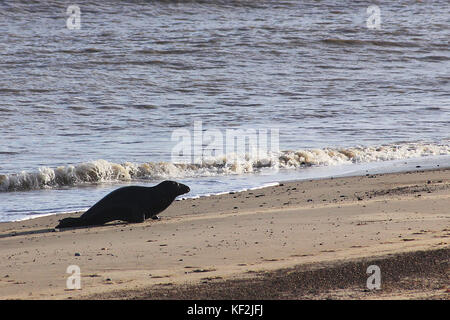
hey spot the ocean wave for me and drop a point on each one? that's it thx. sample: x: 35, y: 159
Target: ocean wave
x: 360, y: 42
x: 101, y: 171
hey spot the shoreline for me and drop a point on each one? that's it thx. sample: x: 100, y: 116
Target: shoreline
x: 269, y: 184
x: 233, y: 236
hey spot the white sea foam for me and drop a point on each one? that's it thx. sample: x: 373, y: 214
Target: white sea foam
x: 103, y: 171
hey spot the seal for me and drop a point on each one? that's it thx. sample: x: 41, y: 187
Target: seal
x: 131, y: 204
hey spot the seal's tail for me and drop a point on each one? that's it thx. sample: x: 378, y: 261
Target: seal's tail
x: 70, y: 222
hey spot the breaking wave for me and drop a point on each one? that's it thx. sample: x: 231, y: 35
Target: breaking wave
x: 103, y: 171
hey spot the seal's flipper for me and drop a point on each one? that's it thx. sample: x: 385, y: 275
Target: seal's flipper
x: 70, y: 222
x: 135, y: 216
x: 156, y: 218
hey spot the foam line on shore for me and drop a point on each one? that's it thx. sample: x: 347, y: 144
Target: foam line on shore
x: 101, y: 171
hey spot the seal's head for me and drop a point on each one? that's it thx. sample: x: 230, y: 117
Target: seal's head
x: 174, y: 187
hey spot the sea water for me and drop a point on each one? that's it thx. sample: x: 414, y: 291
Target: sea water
x: 91, y: 94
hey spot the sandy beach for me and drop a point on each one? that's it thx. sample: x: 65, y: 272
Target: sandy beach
x: 309, y: 239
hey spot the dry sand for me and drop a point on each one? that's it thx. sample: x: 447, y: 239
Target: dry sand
x: 304, y: 239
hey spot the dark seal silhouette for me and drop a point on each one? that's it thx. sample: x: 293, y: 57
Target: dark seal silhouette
x: 131, y: 204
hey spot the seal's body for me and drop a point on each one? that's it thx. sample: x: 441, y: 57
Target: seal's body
x: 131, y: 204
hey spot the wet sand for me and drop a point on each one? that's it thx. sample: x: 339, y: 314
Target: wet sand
x: 299, y: 240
